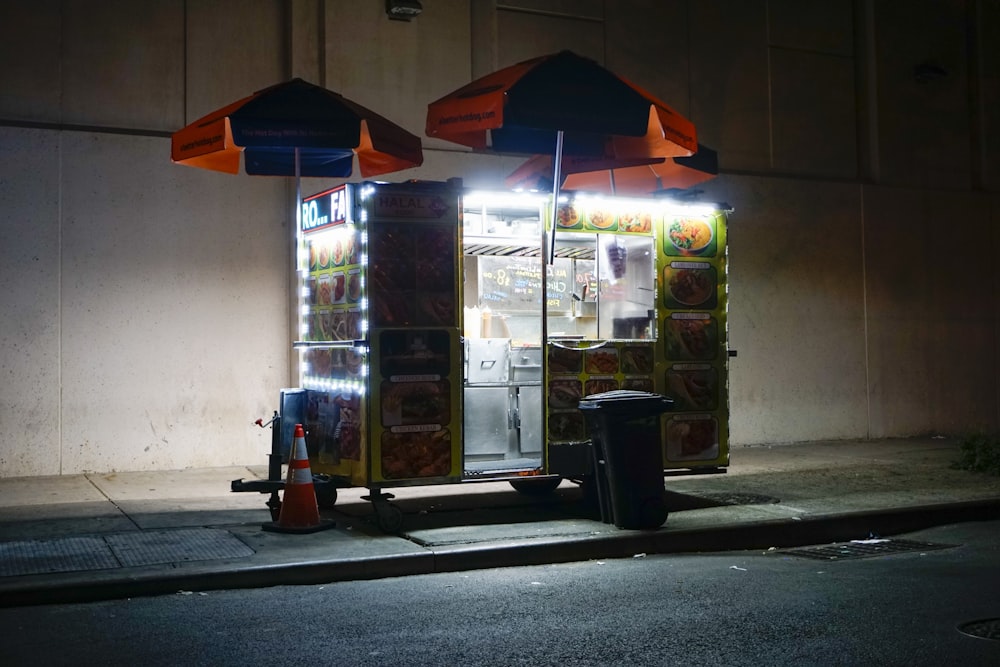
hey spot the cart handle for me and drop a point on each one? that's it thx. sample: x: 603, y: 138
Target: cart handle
x: 260, y: 422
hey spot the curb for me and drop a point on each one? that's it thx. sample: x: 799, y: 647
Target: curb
x: 780, y: 533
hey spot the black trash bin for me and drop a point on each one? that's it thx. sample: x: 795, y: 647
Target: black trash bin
x: 624, y: 430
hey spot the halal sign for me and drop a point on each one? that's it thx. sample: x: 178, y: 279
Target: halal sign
x: 326, y: 209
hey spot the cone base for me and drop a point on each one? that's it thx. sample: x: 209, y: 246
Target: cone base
x: 275, y: 527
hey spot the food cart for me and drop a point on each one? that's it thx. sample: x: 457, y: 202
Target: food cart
x: 437, y: 344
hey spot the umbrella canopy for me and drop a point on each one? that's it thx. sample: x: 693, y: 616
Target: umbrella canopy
x: 296, y: 128
x: 622, y: 176
x: 522, y: 108
x: 561, y: 104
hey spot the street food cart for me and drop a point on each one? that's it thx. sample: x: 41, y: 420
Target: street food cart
x: 438, y: 344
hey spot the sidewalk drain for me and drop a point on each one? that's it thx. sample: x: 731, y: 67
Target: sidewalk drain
x: 68, y: 554
x: 863, y: 549
x: 104, y: 552
x: 987, y: 628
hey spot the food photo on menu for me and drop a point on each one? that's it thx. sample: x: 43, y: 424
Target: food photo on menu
x: 693, y: 388
x: 354, y: 363
x: 319, y: 362
x: 411, y: 403
x: 338, y: 287
x: 635, y: 223
x: 391, y: 309
x: 691, y: 336
x: 349, y: 426
x: 565, y: 360
x: 436, y: 308
x: 637, y: 359
x: 325, y: 290
x: 567, y: 426
x: 354, y: 285
x: 416, y: 454
x: 567, y: 217
x: 601, y: 220
x: 689, y: 237
x: 600, y: 386
x: 392, y: 259
x: 353, y: 319
x: 564, y: 394
x: 340, y: 326
x: 690, y: 284
x: 351, y: 248
x: 603, y: 361
x: 338, y: 251
x: 694, y: 437
x: 435, y: 266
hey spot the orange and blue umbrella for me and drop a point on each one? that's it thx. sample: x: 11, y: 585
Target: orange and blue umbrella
x: 523, y: 108
x: 296, y: 128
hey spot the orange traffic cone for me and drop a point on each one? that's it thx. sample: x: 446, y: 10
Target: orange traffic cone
x: 299, y: 509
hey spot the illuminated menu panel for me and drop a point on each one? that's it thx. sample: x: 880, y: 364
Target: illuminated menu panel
x: 332, y: 295
x: 416, y: 368
x: 692, y: 319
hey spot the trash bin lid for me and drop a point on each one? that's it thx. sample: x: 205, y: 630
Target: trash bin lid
x: 627, y: 399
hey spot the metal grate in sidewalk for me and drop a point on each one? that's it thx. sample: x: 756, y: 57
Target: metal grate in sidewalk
x: 863, y: 549
x: 68, y: 554
x: 154, y: 547
x: 132, y: 549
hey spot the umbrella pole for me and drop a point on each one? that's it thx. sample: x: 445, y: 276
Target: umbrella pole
x: 556, y: 179
x: 548, y: 257
x: 298, y: 192
x: 295, y: 262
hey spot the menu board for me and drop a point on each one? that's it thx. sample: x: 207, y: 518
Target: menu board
x: 333, y: 284
x: 692, y: 321
x: 415, y: 407
x: 582, y: 368
x: 515, y: 283
x: 594, y: 218
x: 331, y: 307
x: 415, y: 381
x: 415, y: 344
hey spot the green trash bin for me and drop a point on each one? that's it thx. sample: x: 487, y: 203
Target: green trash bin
x: 624, y: 428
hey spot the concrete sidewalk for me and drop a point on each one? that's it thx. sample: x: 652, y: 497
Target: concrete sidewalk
x: 101, y: 536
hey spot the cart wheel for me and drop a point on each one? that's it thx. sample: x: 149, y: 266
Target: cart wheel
x: 541, y: 486
x: 389, y: 517
x: 326, y: 496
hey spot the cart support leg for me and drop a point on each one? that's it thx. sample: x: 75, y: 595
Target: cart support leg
x: 274, y: 458
x: 274, y: 505
x: 388, y: 516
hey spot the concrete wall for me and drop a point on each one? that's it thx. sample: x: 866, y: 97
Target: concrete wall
x: 146, y: 306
